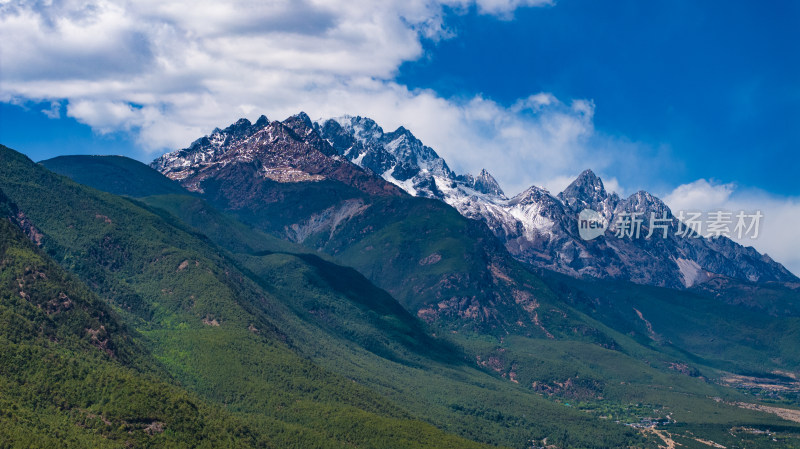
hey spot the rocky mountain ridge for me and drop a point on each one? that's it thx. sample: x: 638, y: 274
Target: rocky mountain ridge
x: 542, y: 229
x: 534, y: 225
x: 285, y: 152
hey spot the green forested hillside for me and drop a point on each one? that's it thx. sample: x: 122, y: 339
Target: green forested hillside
x: 209, y: 328
x: 738, y: 327
x: 224, y: 306
x: 336, y: 317
x: 71, y: 375
x: 117, y: 174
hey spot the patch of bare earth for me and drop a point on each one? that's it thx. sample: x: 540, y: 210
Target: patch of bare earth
x: 749, y: 382
x: 154, y: 428
x: 208, y: 321
x: 669, y: 443
x: 785, y: 413
x: 650, y: 331
x: 710, y: 443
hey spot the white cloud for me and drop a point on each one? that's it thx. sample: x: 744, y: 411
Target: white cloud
x: 54, y: 111
x: 520, y: 145
x: 557, y: 184
x: 505, y: 7
x: 778, y: 230
x: 169, y: 72
x: 612, y: 185
x: 700, y: 195
x: 104, y: 116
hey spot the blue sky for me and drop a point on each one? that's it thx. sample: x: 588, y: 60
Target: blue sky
x: 717, y: 82
x: 25, y: 128
x: 698, y: 102
x: 712, y: 84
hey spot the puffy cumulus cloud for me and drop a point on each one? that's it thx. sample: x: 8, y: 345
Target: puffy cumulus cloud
x: 700, y: 195
x: 105, y: 116
x: 169, y: 72
x: 778, y: 230
x: 612, y: 185
x: 64, y: 40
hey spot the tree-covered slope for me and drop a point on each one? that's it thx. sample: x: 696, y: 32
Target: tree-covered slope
x: 71, y: 375
x: 736, y: 326
x: 212, y: 330
x: 246, y: 339
x: 117, y: 174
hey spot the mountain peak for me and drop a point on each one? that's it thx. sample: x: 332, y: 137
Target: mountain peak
x: 533, y: 194
x: 304, y: 128
x: 535, y: 226
x: 586, y: 190
x: 485, y: 183
x: 242, y: 122
x: 362, y: 128
x: 301, y: 120
x: 588, y: 178
x: 304, y: 117
x: 401, y: 130
x: 643, y: 201
x: 262, y: 121
x: 238, y: 129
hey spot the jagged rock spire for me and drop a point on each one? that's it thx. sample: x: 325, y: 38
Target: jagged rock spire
x: 485, y: 183
x: 586, y: 190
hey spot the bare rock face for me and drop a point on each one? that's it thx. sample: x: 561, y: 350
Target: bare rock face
x: 10, y: 211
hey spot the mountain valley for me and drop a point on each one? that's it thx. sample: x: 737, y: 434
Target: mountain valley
x: 327, y: 284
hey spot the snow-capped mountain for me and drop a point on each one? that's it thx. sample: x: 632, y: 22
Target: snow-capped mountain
x: 398, y: 156
x: 535, y: 226
x: 286, y: 152
x: 541, y: 228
